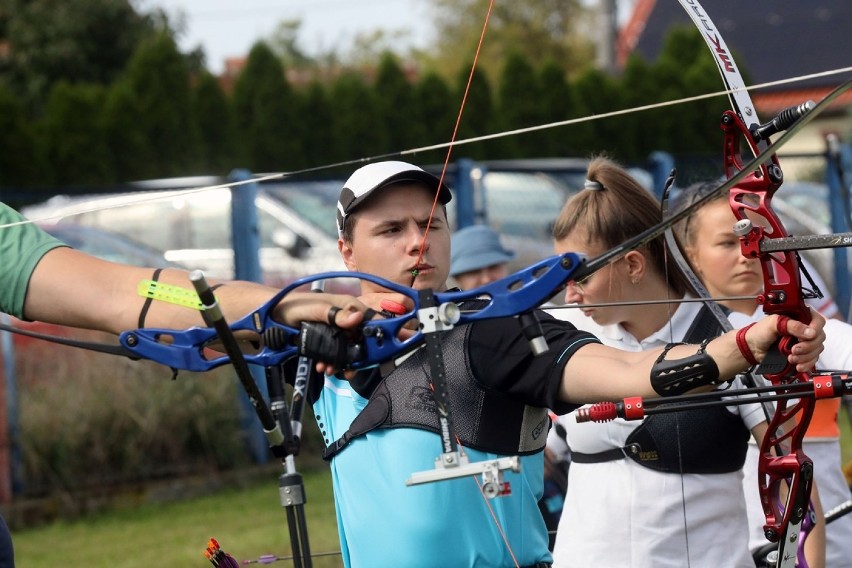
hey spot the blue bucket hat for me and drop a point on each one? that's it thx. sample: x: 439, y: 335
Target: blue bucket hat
x: 476, y: 247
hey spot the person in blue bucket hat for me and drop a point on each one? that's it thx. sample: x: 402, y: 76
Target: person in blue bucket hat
x: 477, y: 257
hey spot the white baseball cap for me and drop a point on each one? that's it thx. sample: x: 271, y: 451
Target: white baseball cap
x: 367, y: 179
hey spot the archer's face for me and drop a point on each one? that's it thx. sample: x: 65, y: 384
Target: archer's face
x: 481, y: 277
x: 388, y: 234
x: 715, y: 254
x: 609, y: 284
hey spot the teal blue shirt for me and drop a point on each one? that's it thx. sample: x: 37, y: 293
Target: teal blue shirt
x: 383, y: 522
x: 21, y: 249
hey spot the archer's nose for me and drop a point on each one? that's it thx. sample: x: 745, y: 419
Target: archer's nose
x: 416, y: 238
x: 573, y: 295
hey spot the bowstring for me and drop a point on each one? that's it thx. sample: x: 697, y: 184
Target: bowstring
x: 451, y: 144
x: 663, y: 209
x: 414, y: 271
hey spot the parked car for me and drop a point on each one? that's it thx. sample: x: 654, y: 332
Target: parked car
x: 519, y: 198
x: 194, y: 229
x: 108, y: 245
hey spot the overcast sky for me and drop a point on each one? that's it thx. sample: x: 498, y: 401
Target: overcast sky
x: 228, y: 28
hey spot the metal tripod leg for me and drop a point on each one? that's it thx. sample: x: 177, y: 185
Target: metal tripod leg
x: 291, y: 489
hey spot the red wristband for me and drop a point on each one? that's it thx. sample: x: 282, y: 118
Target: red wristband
x: 781, y: 325
x: 743, y: 345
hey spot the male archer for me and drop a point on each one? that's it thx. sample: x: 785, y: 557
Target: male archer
x: 382, y: 425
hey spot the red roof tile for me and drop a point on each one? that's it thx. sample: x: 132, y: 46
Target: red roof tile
x: 771, y: 103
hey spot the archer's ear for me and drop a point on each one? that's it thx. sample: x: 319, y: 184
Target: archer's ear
x: 689, y: 252
x: 637, y: 264
x: 347, y: 254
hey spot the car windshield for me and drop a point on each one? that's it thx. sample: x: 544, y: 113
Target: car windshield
x: 107, y: 245
x: 314, y: 201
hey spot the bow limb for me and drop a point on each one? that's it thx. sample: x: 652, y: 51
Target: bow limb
x: 732, y: 78
x: 781, y: 278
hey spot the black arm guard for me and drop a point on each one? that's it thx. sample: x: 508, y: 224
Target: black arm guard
x: 670, y: 378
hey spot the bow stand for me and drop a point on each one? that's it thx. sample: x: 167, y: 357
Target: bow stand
x: 282, y: 430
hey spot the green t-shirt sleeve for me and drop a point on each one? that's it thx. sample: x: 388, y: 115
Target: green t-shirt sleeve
x: 21, y: 249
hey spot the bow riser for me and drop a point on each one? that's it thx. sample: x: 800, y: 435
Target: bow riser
x: 784, y: 482
x: 516, y: 294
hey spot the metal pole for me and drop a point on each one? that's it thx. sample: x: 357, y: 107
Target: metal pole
x: 10, y: 448
x: 245, y: 238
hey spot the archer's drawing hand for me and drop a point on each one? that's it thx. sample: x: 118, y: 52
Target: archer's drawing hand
x: 805, y: 352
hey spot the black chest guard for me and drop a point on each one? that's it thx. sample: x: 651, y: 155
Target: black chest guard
x: 485, y: 419
x: 709, y: 440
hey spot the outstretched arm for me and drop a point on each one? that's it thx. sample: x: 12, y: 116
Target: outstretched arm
x: 69, y: 287
x: 596, y: 372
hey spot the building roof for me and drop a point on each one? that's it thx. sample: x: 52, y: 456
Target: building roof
x: 773, y: 102
x: 770, y: 39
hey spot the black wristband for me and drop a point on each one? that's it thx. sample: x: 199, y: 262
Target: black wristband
x: 144, y: 311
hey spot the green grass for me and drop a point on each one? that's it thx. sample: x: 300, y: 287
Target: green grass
x: 247, y: 522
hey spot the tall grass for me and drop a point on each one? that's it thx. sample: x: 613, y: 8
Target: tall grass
x: 89, y: 420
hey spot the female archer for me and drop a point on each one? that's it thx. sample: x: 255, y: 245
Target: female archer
x: 665, y: 491
x: 714, y: 251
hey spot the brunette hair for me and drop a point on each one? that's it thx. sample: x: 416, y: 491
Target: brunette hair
x: 611, y: 209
